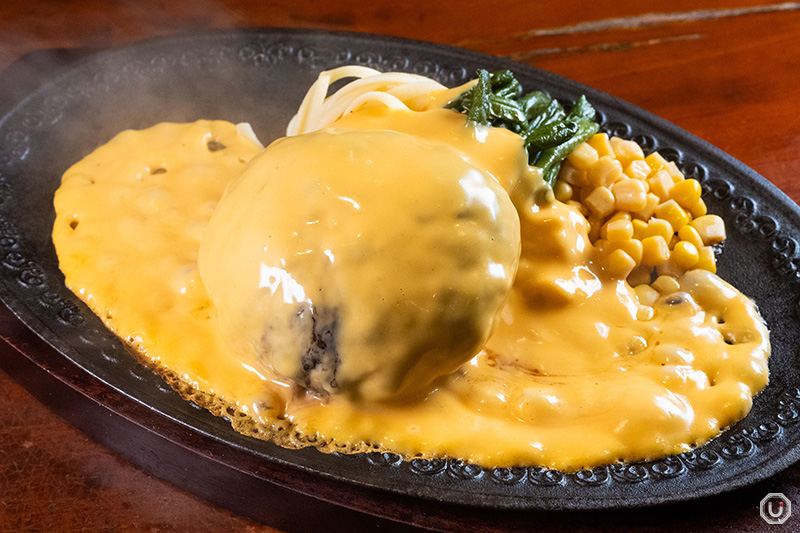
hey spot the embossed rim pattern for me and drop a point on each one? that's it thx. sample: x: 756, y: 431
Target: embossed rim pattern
x: 259, y: 76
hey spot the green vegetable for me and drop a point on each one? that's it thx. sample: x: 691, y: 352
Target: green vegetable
x: 549, y: 160
x: 550, y: 132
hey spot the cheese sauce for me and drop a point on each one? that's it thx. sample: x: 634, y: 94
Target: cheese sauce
x: 373, y: 275
x: 574, y: 374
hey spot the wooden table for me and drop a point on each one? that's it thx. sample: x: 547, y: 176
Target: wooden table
x: 726, y: 70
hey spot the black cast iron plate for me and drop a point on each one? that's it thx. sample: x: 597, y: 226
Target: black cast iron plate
x: 259, y: 76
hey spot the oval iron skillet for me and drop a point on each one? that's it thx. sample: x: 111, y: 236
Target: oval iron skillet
x: 260, y: 76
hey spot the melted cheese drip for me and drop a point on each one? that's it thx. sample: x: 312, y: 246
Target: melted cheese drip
x: 569, y: 379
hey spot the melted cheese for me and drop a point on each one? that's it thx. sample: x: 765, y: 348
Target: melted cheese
x: 129, y: 221
x: 570, y: 378
x: 373, y: 275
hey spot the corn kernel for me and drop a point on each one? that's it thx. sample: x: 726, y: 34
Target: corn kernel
x: 601, y: 244
x: 647, y: 295
x: 666, y: 284
x: 620, y: 264
x: 583, y: 156
x: 647, y: 211
x: 675, y: 172
x: 562, y: 191
x: 707, y: 260
x: 638, y: 228
x: 672, y: 212
x: 599, y: 141
x: 698, y: 209
x: 689, y: 234
x: 661, y: 184
x: 638, y: 169
x: 626, y: 151
x: 686, y: 193
x: 670, y: 268
x: 614, y: 141
x: 600, y: 201
x: 656, y: 161
x: 584, y: 192
x: 604, y: 172
x: 572, y: 175
x: 711, y: 229
x: 629, y: 194
x: 685, y: 254
x: 658, y: 226
x: 644, y: 312
x: 632, y: 247
x: 641, y: 275
x: 654, y: 250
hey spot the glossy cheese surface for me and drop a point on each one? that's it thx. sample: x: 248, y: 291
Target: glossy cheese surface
x: 573, y: 375
x: 381, y: 267
x: 130, y: 218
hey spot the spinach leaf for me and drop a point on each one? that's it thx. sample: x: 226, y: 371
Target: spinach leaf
x: 550, y: 132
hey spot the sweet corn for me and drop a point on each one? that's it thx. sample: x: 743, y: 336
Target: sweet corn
x: 711, y: 229
x: 647, y: 295
x: 666, y: 284
x: 646, y: 220
x: 656, y: 161
x: 572, y: 175
x: 661, y: 184
x: 654, y: 250
x: 672, y: 213
x: 638, y: 169
x: 584, y: 192
x: 629, y: 194
x: 620, y: 264
x: 639, y: 227
x: 689, y: 234
x: 600, y: 142
x: 670, y: 268
x: 583, y: 156
x: 600, y: 201
x: 641, y: 275
x: 647, y: 211
x: 698, y: 209
x: 675, y: 172
x: 686, y: 193
x: 626, y: 151
x: 707, y: 260
x: 632, y: 247
x: 658, y: 226
x: 617, y: 231
x: 595, y: 226
x: 620, y: 215
x: 685, y: 254
x: 615, y: 141
x: 604, y: 172
x: 644, y: 312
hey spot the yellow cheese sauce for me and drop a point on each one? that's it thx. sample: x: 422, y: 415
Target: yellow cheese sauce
x: 576, y: 372
x: 373, y: 275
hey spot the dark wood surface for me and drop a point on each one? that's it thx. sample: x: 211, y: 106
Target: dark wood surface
x: 727, y: 71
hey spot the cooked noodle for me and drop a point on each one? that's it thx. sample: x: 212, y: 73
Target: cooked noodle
x: 395, y: 90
